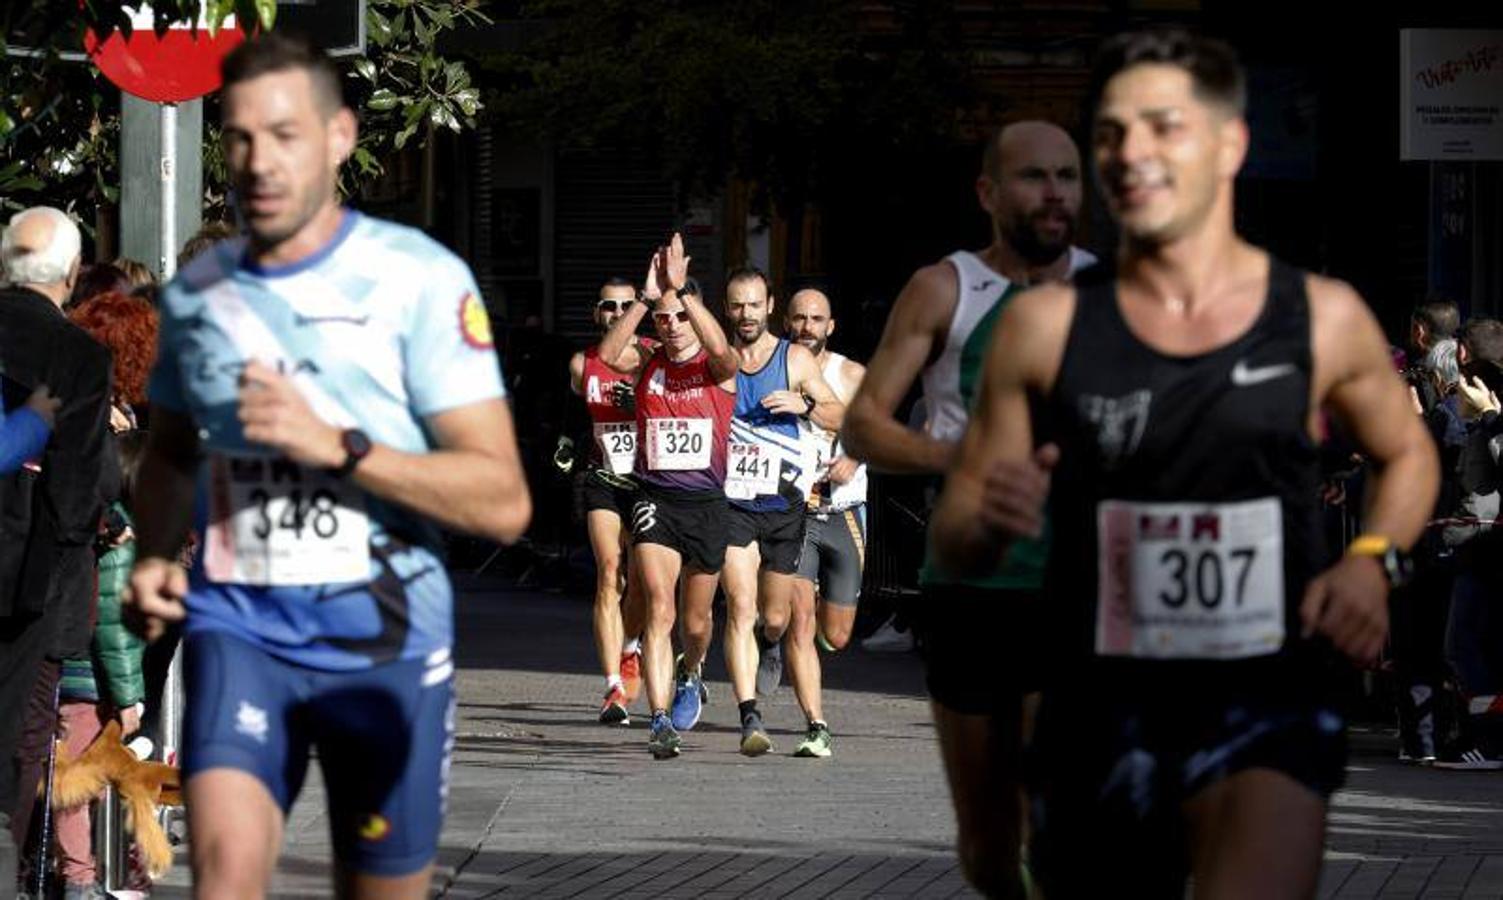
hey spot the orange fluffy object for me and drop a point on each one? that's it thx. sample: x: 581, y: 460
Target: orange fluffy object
x: 141, y: 786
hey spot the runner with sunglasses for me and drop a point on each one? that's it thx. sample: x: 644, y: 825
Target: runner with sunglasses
x: 685, y: 394
x: 608, y: 491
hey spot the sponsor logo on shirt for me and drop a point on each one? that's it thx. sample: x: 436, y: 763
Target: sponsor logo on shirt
x: 474, y: 324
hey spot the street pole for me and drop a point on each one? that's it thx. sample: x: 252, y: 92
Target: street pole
x: 161, y: 170
x: 167, y: 140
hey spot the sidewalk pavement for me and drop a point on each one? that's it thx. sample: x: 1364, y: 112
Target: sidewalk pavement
x: 545, y: 802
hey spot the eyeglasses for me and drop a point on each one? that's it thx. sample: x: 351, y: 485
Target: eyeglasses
x: 614, y: 305
x: 663, y: 318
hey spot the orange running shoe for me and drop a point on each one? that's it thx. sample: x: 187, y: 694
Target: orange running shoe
x: 613, y: 708
x: 631, y: 675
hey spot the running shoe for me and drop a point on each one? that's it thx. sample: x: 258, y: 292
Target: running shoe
x: 688, y: 698
x: 1468, y: 756
x: 769, y: 668
x: 663, y: 741
x: 754, y: 739
x: 817, y: 742
x: 888, y: 639
x: 613, y: 708
x: 1416, y: 750
x: 631, y: 675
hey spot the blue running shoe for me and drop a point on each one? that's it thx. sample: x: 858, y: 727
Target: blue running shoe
x: 663, y: 742
x: 688, y: 701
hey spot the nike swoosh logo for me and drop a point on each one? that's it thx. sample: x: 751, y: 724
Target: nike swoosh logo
x: 1245, y: 376
x: 321, y: 320
x: 983, y: 285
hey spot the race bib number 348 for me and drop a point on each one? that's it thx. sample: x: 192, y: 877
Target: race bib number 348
x: 275, y: 523
x: 1190, y: 580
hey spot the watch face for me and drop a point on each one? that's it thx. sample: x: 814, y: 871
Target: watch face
x: 356, y: 443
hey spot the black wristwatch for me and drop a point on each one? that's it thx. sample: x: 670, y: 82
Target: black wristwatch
x: 357, y: 446
x: 1397, y: 565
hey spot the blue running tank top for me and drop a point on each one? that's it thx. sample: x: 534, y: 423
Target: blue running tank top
x: 766, y: 466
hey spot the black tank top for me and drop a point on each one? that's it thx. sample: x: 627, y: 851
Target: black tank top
x: 1209, y: 433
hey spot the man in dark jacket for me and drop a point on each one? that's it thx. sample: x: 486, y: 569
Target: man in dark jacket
x: 49, y: 511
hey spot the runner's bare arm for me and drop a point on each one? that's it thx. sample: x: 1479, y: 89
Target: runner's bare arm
x: 1366, y: 394
x: 724, y: 360
x: 1355, y: 380
x: 843, y: 467
x: 997, y: 488
x: 473, y: 482
x: 576, y: 373
x: 805, y: 380
x: 853, y: 373
x: 871, y: 432
x: 620, y: 349
x: 164, y: 514
x: 163, y: 507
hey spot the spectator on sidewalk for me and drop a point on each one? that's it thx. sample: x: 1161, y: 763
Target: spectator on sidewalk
x: 1419, y: 609
x: 49, y: 516
x: 1474, y: 629
x: 108, y: 682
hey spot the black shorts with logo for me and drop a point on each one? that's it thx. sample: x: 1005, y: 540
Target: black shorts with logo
x: 834, y: 554
x: 1114, y: 773
x: 779, y: 535
x: 612, y: 493
x: 693, y: 523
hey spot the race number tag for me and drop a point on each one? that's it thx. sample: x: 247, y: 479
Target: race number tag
x: 275, y: 523
x: 618, y: 445
x: 679, y: 445
x: 752, y: 471
x: 1190, y: 580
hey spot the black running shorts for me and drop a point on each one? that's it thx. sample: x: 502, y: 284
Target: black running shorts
x: 1114, y: 775
x: 779, y: 536
x: 691, y: 523
x: 600, y: 491
x: 982, y: 647
x: 834, y: 554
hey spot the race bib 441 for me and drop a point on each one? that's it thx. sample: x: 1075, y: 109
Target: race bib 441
x: 1190, y: 580
x: 275, y: 523
x: 752, y: 470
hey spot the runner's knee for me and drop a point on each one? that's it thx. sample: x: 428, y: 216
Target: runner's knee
x: 608, y: 580
x: 835, y: 636
x: 226, y: 865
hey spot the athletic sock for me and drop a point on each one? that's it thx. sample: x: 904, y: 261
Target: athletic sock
x: 632, y: 646
x: 613, y: 681
x: 747, y: 708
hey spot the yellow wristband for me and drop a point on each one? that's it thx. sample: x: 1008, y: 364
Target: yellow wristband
x: 1370, y: 545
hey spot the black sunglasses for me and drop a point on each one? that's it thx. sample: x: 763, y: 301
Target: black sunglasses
x: 614, y: 305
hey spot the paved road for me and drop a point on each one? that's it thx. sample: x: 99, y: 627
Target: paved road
x: 546, y: 803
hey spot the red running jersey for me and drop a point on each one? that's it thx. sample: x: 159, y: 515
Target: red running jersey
x: 614, y: 426
x: 683, y: 423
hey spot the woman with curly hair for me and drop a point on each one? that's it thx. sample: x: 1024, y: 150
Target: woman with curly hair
x: 127, y: 325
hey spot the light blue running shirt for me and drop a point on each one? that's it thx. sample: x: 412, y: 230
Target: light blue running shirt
x: 380, y: 329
